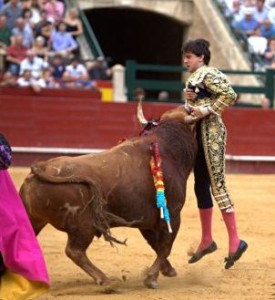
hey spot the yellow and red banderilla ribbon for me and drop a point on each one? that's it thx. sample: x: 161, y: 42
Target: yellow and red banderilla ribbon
x: 155, y: 164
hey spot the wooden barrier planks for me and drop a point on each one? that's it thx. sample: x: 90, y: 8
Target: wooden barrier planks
x: 76, y: 119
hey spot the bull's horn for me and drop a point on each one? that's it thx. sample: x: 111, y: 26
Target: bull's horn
x: 140, y: 114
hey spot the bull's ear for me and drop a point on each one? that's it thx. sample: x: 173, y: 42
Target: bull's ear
x: 140, y: 114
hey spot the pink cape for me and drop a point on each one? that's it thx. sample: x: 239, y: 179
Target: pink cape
x: 18, y: 244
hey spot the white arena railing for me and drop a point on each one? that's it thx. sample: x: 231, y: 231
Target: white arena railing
x: 57, y: 150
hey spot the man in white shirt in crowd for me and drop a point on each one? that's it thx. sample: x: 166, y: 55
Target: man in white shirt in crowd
x: 76, y: 75
x: 257, y: 43
x: 33, y: 63
x: 27, y: 80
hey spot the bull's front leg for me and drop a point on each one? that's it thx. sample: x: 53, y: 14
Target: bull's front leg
x: 151, y: 281
x: 163, y: 249
x: 151, y: 237
x: 167, y: 269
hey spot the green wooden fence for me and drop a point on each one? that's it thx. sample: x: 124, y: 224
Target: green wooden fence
x: 133, y: 82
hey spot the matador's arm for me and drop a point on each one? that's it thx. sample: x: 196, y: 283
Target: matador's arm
x: 224, y: 93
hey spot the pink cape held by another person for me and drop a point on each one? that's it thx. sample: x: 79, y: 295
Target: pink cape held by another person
x: 26, y: 275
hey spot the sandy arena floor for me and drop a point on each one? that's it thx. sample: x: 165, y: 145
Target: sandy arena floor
x: 253, y: 277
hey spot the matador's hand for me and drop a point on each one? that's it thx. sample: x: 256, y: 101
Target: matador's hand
x: 196, y: 113
x: 189, y: 94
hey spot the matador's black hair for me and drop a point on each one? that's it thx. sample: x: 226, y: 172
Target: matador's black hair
x: 198, y: 47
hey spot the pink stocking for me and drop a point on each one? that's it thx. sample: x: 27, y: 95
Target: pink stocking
x: 206, y: 228
x: 230, y: 222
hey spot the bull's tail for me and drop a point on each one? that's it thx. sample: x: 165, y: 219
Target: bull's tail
x: 52, y: 174
x: 101, y: 218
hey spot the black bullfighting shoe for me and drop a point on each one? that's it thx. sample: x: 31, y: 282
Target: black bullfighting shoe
x: 230, y: 260
x: 200, y: 254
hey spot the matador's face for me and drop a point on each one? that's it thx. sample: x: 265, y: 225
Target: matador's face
x: 192, y: 62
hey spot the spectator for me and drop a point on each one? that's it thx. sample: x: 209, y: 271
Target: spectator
x: 58, y: 67
x: 269, y: 54
x: 74, y: 24
x: 1, y: 4
x: 257, y: 43
x: 36, y: 8
x: 47, y: 80
x: 267, y: 29
x: 27, y: 15
x: 54, y: 9
x: 33, y: 63
x: 236, y: 15
x: 260, y: 12
x: 225, y: 5
x: 269, y: 4
x: 25, y: 4
x: 27, y: 80
x: 272, y: 65
x: 98, y: 69
x: 265, y: 103
x: 271, y: 15
x: 8, y: 80
x: 76, y: 75
x: 41, y: 23
x: 40, y: 49
x: 25, y: 30
x: 248, y: 2
x: 163, y: 96
x: 16, y: 52
x: 139, y: 93
x: 248, y: 23
x: 62, y: 42
x: 12, y: 10
x: 47, y: 31
x: 5, y: 34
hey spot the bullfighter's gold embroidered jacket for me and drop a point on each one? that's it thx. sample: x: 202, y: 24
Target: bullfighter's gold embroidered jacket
x: 213, y: 90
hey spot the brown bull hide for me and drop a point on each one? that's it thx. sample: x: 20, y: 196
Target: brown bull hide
x: 87, y: 195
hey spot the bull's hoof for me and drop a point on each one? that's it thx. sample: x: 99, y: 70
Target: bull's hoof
x: 169, y: 272
x: 151, y: 283
x: 111, y: 286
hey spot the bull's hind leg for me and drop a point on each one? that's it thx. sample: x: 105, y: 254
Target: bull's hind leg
x: 152, y: 239
x: 37, y: 224
x: 77, y: 244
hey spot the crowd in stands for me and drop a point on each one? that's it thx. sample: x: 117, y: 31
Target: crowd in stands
x: 39, y: 46
x: 253, y: 21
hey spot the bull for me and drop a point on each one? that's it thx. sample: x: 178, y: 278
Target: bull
x: 87, y: 195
